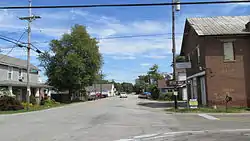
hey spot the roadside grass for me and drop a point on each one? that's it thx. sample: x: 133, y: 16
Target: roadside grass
x: 211, y: 110
x: 32, y: 108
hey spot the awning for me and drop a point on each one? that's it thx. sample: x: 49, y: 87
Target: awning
x: 197, y: 75
x: 23, y: 84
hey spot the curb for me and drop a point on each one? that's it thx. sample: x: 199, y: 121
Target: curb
x: 44, y: 110
x: 216, y: 114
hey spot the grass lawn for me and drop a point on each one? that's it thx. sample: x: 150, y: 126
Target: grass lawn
x: 211, y: 110
x: 32, y: 108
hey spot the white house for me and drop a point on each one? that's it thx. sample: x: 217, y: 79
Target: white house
x: 105, y: 89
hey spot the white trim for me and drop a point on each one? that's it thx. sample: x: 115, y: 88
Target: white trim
x: 197, y: 74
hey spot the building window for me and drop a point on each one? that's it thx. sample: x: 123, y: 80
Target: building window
x: 198, y: 53
x: 10, y: 71
x: 20, y: 73
x: 228, y: 51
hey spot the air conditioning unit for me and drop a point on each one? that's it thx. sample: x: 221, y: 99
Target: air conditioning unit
x: 20, y: 78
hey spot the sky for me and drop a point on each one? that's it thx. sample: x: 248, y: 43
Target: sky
x: 124, y: 58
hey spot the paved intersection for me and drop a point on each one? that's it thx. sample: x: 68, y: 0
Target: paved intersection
x: 114, y: 119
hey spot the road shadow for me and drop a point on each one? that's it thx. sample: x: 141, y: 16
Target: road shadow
x: 156, y: 104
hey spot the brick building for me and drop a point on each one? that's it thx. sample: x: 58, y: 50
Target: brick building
x: 219, y: 51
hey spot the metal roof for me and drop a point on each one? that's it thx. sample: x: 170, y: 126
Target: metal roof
x: 222, y: 25
x: 15, y: 62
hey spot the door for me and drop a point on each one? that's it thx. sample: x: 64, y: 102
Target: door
x: 203, y: 91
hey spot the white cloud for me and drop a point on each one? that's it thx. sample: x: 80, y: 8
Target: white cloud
x: 124, y: 57
x: 156, y: 56
x: 145, y: 64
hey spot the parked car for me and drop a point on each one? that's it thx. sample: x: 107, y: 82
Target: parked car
x: 123, y: 95
x: 91, y: 97
x: 98, y: 95
x: 145, y: 95
x: 142, y: 96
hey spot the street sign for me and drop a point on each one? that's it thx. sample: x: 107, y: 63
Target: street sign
x: 193, y: 103
x: 175, y: 93
x: 183, y: 65
x: 176, y: 83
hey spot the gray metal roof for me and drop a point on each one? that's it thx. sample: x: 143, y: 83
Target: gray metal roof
x: 15, y: 62
x: 222, y: 25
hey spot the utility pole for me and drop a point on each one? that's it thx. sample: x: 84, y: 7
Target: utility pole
x: 101, y: 83
x: 30, y: 18
x: 174, y: 47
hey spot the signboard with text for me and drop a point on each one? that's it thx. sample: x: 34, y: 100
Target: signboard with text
x: 193, y: 103
x: 183, y: 65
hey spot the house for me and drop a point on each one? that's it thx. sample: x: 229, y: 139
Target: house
x: 13, y: 76
x: 104, y: 89
x: 219, y: 51
x: 164, y: 87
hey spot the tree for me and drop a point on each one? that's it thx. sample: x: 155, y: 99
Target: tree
x: 179, y: 58
x: 72, y: 61
x: 118, y: 87
x: 154, y: 74
x: 127, y: 87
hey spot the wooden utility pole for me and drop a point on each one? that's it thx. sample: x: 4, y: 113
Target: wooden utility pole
x: 177, y: 8
x: 30, y: 18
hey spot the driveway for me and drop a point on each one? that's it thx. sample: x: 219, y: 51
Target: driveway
x: 113, y: 119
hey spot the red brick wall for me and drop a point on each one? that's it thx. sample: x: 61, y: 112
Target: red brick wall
x: 227, y: 78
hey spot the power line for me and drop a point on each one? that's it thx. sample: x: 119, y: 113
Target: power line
x: 8, y: 40
x: 122, y: 37
x: 8, y: 52
x: 126, y: 5
x: 16, y: 43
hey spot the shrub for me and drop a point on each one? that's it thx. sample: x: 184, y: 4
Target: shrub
x: 166, y: 96
x: 33, y: 99
x: 8, y: 103
x: 49, y: 102
x: 154, y: 92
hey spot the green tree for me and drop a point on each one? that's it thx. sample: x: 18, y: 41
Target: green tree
x: 127, y: 87
x: 72, y: 61
x: 118, y: 87
x: 154, y: 74
x: 179, y: 58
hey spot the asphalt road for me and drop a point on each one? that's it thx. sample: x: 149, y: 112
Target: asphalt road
x: 115, y: 119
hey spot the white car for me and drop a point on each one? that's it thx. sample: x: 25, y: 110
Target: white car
x: 123, y: 95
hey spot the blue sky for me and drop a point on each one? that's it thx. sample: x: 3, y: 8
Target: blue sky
x: 124, y: 59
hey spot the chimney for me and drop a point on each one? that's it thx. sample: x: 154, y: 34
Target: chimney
x: 248, y: 27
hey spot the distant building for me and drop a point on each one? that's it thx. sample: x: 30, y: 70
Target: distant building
x: 105, y: 89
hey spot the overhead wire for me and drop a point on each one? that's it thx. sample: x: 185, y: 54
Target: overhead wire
x: 17, y: 44
x: 127, y: 4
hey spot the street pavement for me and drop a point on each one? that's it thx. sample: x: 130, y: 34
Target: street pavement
x: 114, y: 119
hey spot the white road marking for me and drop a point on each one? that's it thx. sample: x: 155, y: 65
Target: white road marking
x: 145, y: 136
x: 208, y: 117
x: 168, y: 134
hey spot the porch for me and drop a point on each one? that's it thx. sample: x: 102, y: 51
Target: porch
x: 19, y: 89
